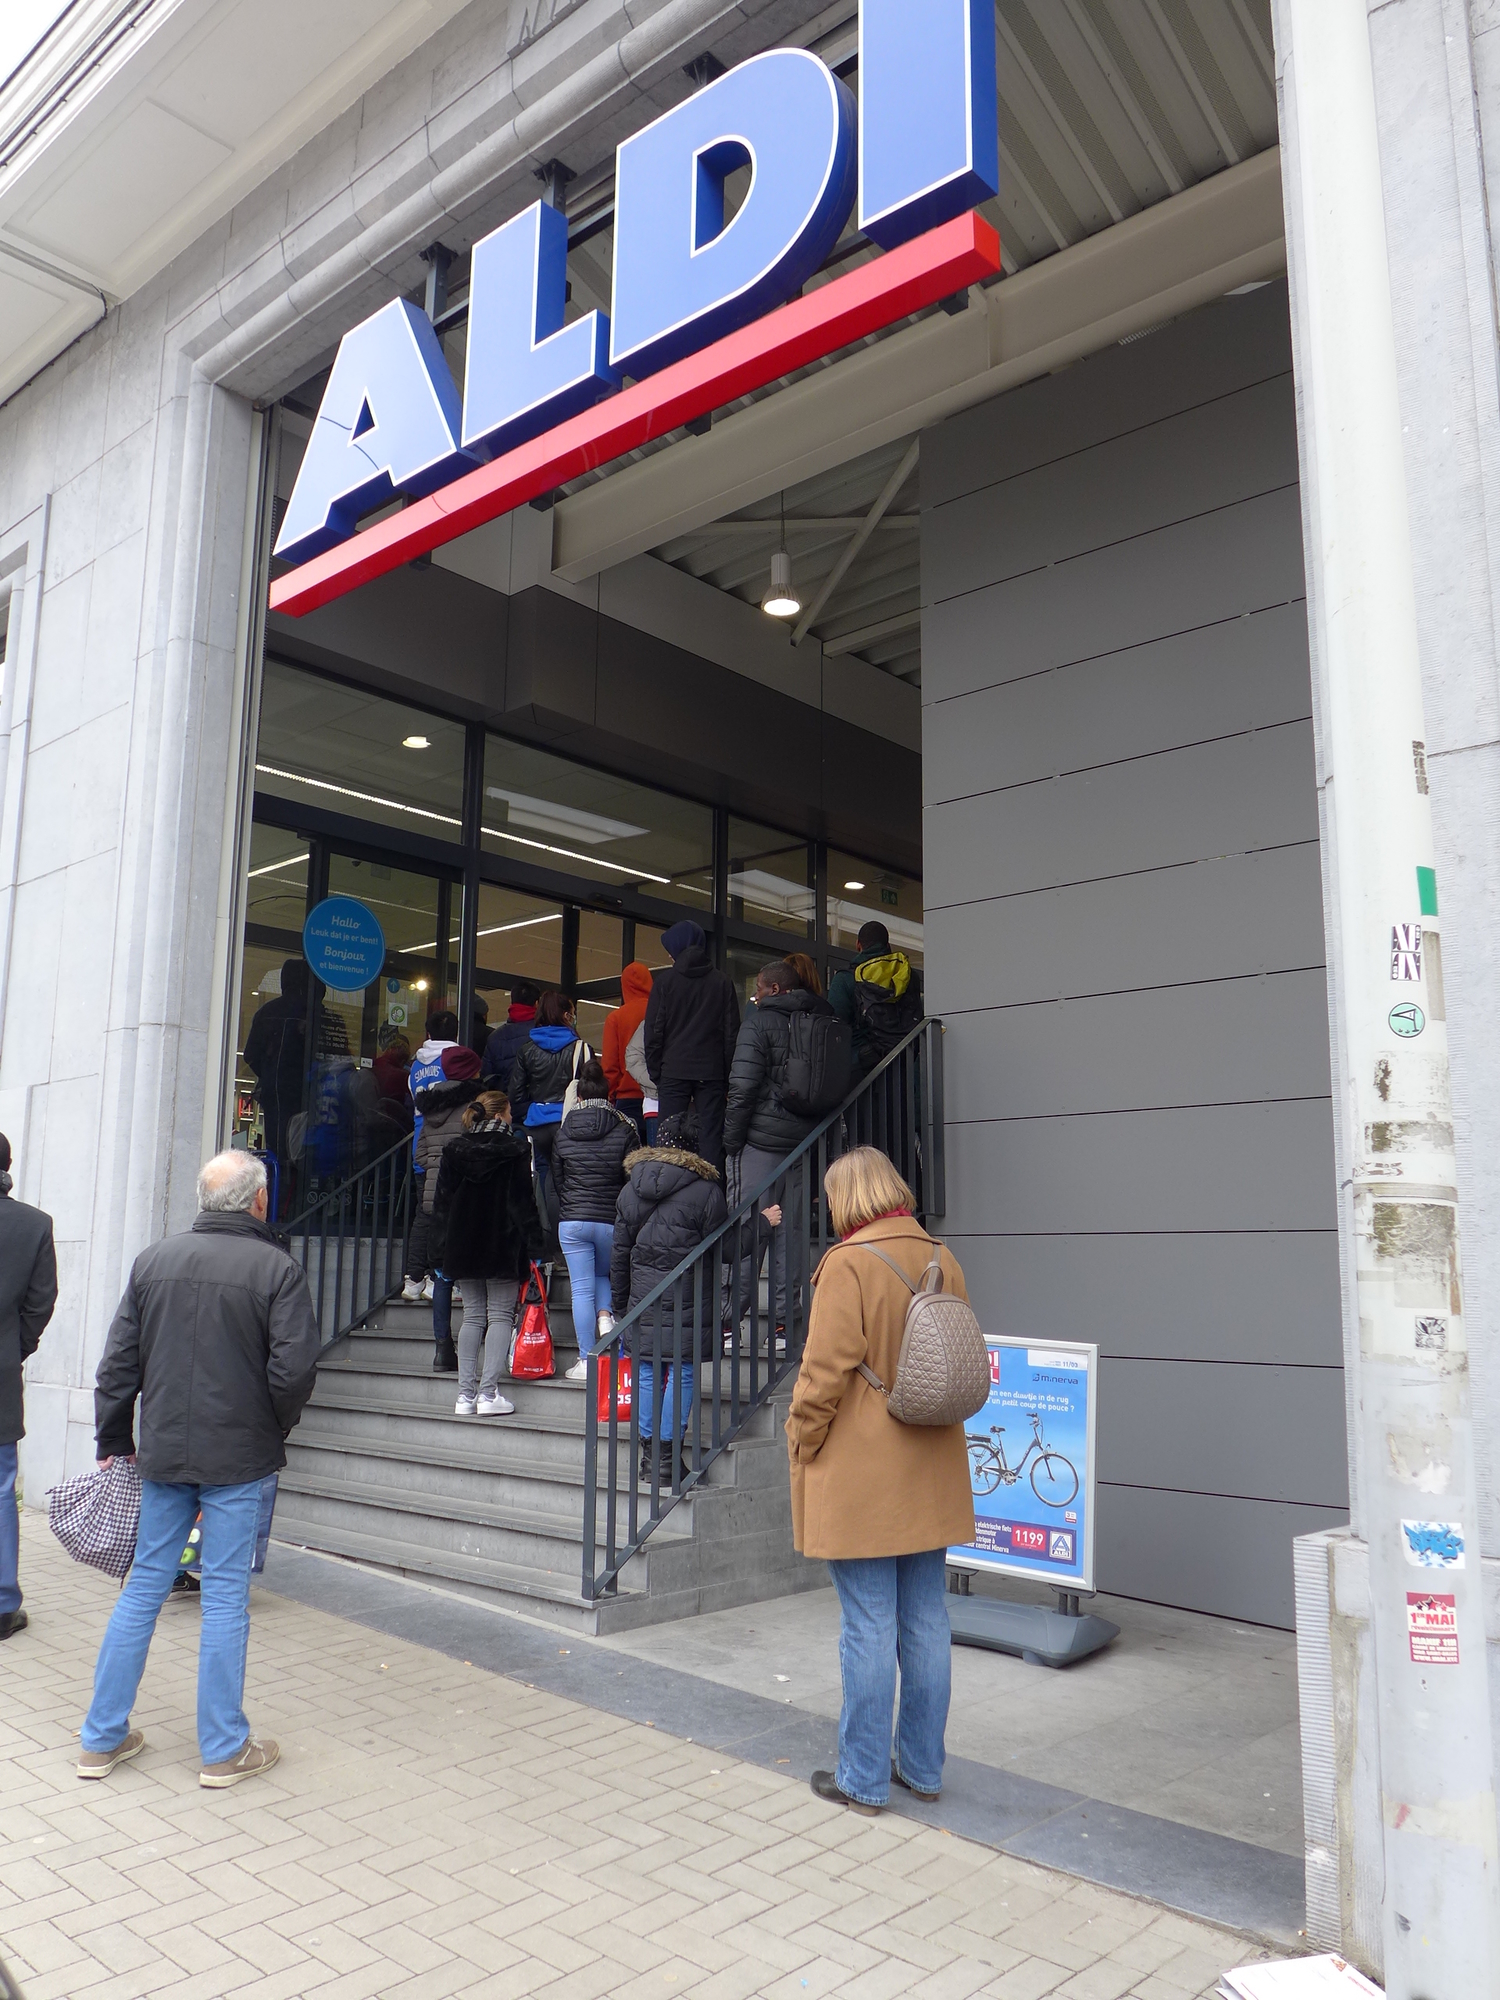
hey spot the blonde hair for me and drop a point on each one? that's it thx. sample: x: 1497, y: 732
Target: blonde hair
x: 485, y: 1109
x: 861, y: 1185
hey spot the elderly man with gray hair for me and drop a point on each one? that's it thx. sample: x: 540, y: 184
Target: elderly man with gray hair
x: 216, y: 1338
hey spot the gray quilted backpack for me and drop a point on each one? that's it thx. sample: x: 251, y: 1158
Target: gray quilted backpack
x: 943, y: 1370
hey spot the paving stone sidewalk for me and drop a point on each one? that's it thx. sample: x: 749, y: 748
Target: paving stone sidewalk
x: 435, y: 1829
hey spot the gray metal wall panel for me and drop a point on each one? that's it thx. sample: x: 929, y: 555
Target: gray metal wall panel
x: 1242, y: 558
x: 1205, y: 1298
x: 1220, y: 1041
x: 1124, y: 932
x: 1195, y: 360
x: 1235, y: 796
x: 1211, y: 1166
x: 1219, y: 1427
x: 1227, y: 918
x: 1229, y: 1557
x: 1247, y: 673
x: 1211, y: 457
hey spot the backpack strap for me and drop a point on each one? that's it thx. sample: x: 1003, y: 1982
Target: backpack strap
x: 862, y: 1368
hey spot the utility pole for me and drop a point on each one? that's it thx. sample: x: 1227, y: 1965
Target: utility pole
x: 1412, y: 1469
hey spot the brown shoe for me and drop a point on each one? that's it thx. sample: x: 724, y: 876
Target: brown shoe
x: 99, y: 1763
x: 255, y: 1758
x: 824, y: 1788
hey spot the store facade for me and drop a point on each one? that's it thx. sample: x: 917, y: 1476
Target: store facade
x: 1092, y: 796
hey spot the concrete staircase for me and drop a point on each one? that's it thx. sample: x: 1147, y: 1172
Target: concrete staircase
x: 380, y: 1470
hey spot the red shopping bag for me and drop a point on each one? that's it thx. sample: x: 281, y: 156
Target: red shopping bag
x: 623, y: 1388
x: 531, y: 1341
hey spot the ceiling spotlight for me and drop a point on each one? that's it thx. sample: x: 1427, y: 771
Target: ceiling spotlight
x: 854, y: 885
x: 416, y: 743
x: 420, y: 984
x: 781, y: 600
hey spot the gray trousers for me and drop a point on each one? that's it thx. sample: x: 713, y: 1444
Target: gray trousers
x: 787, y: 1191
x: 488, y: 1307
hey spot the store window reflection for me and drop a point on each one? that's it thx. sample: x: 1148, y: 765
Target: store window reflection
x: 770, y: 879
x: 324, y: 744
x: 862, y: 892
x: 578, y: 821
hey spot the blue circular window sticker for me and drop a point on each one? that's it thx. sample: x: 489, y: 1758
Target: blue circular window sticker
x: 343, y: 944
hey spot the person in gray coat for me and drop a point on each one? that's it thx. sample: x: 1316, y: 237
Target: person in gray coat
x: 217, y: 1340
x: 28, y: 1292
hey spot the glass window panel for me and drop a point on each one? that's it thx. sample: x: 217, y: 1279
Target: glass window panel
x: 351, y: 752
x: 520, y: 937
x: 770, y: 879
x: 600, y: 956
x: 543, y: 809
x: 742, y: 962
x: 275, y: 906
x: 860, y: 892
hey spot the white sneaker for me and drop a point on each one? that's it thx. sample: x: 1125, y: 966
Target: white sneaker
x: 465, y: 1407
x: 606, y: 1325
x: 427, y: 1291
x: 579, y: 1372
x: 494, y: 1406
x: 411, y: 1293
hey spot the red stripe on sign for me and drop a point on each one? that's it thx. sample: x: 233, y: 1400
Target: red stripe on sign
x: 946, y: 260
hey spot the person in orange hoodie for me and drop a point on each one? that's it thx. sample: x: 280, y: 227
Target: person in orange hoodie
x: 624, y: 1091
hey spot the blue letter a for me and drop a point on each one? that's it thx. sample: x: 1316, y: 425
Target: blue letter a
x: 388, y: 424
x: 526, y: 371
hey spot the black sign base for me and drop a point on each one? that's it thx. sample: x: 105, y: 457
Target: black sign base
x: 1042, y: 1637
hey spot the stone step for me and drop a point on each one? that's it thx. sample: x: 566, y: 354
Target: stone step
x: 552, y: 1595
x: 448, y: 1470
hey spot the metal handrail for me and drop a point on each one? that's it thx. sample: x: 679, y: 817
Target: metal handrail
x: 352, y: 1245
x: 897, y: 1108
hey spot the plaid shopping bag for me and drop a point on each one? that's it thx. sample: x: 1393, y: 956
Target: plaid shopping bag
x: 97, y: 1515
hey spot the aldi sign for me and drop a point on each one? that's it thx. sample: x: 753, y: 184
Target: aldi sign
x: 704, y: 309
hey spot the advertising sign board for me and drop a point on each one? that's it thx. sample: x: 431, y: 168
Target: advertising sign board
x: 1031, y: 1464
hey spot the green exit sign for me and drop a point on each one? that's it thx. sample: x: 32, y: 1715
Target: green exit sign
x: 888, y: 896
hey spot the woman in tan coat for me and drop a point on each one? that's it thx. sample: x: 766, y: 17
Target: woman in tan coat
x: 881, y: 1502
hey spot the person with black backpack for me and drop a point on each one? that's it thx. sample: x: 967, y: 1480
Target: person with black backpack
x: 880, y: 996
x: 792, y: 1065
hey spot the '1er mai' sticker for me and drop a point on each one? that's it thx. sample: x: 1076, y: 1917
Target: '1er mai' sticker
x: 1432, y: 1628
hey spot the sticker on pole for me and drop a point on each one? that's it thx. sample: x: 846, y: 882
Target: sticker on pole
x: 1433, y: 1544
x: 1432, y: 1628
x: 1406, y: 1019
x: 1406, y: 950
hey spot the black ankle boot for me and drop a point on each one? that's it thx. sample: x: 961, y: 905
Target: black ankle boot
x: 648, y: 1460
x: 445, y: 1358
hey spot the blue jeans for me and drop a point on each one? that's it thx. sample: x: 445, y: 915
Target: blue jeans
x: 10, y: 1533
x: 645, y: 1377
x: 587, y: 1247
x: 893, y: 1612
x: 229, y: 1515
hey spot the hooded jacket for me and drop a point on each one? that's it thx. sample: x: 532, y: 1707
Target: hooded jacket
x: 755, y: 1114
x: 426, y: 1070
x: 692, y: 1019
x: 588, y: 1160
x: 893, y: 974
x: 672, y: 1203
x: 484, y: 1217
x: 501, y: 1049
x: 540, y: 1075
x: 635, y: 985
x: 442, y: 1109
x: 216, y: 1336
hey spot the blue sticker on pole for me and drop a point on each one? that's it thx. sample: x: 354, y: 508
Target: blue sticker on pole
x: 1031, y: 1464
x: 343, y: 944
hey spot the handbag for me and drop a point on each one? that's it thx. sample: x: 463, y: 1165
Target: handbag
x: 570, y: 1095
x: 531, y: 1358
x: 943, y: 1370
x: 615, y: 1384
x: 97, y: 1516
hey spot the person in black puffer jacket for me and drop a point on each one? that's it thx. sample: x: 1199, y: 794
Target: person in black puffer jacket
x: 545, y: 1064
x: 441, y: 1108
x: 588, y: 1171
x: 692, y: 1018
x: 485, y: 1234
x: 673, y: 1203
x: 759, y: 1132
